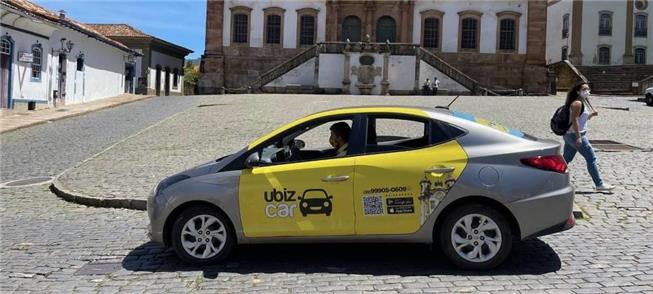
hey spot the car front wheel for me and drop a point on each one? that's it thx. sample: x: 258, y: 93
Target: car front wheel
x: 649, y: 99
x: 202, y: 236
x: 476, y: 237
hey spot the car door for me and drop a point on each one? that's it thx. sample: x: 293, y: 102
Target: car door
x: 304, y: 198
x: 408, y: 167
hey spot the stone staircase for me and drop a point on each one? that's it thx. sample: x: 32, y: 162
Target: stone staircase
x: 616, y: 79
x: 283, y: 68
x: 474, y: 86
x: 394, y: 49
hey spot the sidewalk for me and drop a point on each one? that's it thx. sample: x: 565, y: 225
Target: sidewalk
x: 12, y: 120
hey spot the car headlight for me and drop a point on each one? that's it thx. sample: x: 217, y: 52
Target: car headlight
x: 167, y: 183
x: 326, y: 204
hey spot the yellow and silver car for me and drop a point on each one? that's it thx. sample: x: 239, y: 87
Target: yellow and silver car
x: 409, y: 174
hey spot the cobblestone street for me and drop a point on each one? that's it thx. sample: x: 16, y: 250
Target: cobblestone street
x: 50, y: 245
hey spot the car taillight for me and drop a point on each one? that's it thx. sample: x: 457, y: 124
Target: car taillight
x: 553, y: 163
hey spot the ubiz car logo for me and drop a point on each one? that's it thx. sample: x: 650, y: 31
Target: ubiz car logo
x: 315, y: 201
x: 312, y: 201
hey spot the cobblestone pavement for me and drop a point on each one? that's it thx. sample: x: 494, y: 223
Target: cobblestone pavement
x: 228, y: 123
x: 47, y: 149
x: 45, y: 241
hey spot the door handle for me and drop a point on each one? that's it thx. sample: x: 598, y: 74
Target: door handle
x: 335, y: 179
x: 439, y: 170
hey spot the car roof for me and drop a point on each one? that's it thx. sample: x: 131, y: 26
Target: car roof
x: 392, y: 109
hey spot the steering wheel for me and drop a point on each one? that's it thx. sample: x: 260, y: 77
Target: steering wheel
x: 292, y: 153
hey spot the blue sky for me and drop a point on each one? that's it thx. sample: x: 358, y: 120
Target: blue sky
x: 181, y: 22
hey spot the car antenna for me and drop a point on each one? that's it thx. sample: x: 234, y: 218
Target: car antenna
x: 447, y: 107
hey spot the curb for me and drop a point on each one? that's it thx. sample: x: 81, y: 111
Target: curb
x: 68, y: 115
x: 57, y: 188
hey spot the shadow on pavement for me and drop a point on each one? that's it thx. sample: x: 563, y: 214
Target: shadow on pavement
x: 531, y: 257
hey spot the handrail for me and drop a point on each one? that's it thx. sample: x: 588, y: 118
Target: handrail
x: 285, y: 67
x: 454, y: 73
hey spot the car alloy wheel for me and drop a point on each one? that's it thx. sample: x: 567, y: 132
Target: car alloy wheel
x: 649, y: 100
x: 475, y: 237
x: 202, y: 236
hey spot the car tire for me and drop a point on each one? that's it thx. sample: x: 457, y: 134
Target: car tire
x: 191, y: 247
x: 479, y: 249
x: 649, y: 99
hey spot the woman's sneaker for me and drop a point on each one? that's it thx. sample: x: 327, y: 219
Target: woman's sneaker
x: 604, y: 188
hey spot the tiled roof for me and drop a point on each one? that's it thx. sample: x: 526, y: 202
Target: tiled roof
x: 118, y: 30
x: 39, y: 11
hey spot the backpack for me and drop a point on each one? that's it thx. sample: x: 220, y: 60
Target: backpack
x: 560, y: 122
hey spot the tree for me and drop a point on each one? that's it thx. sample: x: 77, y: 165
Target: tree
x: 191, y: 76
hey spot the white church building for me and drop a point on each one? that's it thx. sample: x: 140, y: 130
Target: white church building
x: 50, y: 60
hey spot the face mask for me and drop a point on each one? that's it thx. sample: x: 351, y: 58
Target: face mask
x: 584, y: 94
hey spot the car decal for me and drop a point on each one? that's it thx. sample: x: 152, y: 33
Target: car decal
x: 487, y: 123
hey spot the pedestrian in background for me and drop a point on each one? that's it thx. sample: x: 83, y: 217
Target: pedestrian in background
x: 576, y: 137
x: 436, y: 85
x: 426, y: 87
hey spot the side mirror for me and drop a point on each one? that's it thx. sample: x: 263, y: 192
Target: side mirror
x: 253, y: 160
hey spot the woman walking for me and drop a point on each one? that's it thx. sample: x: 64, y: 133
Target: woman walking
x: 576, y: 138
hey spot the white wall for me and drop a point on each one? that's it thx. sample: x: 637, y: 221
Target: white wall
x: 332, y: 70
x: 554, y: 24
x: 301, y: 75
x: 23, y: 87
x: 648, y: 41
x: 488, y: 21
x: 104, y: 66
x: 401, y: 73
x: 289, y: 21
x: 171, y: 62
x: 591, y: 38
x: 446, y: 83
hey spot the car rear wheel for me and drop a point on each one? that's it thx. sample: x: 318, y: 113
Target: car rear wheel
x: 202, y: 236
x: 475, y: 237
x: 649, y: 99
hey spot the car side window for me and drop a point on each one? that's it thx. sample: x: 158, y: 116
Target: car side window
x: 320, y: 140
x: 395, y: 134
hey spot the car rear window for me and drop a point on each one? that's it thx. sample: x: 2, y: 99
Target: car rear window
x: 491, y: 124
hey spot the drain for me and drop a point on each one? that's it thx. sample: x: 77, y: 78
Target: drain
x: 612, y: 146
x: 98, y: 268
x: 27, y: 182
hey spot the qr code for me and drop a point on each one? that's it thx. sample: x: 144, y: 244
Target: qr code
x: 373, y: 205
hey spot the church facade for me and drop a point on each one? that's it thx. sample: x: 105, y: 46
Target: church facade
x: 500, y: 44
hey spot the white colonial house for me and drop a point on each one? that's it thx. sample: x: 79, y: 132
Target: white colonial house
x: 50, y: 60
x: 161, y: 70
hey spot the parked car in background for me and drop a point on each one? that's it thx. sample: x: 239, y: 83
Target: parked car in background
x: 649, y: 96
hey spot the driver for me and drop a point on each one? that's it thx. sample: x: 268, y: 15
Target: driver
x: 340, y: 137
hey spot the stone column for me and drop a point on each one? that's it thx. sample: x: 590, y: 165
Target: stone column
x: 629, y: 58
x: 212, y: 63
x: 316, y: 73
x: 332, y: 21
x: 576, y: 56
x: 385, y: 84
x: 535, y: 68
x: 418, y: 59
x: 369, y: 19
x: 346, y: 82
